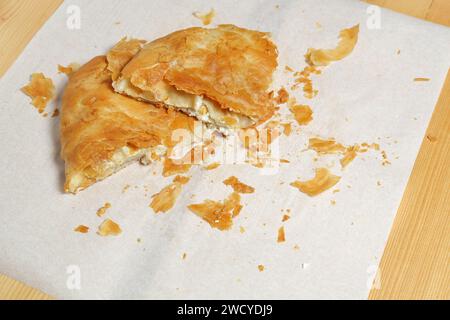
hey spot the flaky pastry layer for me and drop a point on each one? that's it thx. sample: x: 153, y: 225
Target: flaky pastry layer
x: 102, y: 131
x: 221, y: 75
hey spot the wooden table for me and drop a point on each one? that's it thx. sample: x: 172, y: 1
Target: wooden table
x: 416, y: 260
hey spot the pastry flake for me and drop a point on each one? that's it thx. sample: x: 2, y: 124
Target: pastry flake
x: 219, y: 214
x: 347, y: 42
x: 221, y: 76
x: 71, y: 68
x: 302, y: 114
x: 81, y: 229
x: 349, y: 155
x: 212, y: 166
x: 101, y: 211
x: 164, y: 200
x: 109, y: 228
x: 41, y: 90
x: 323, y: 146
x: 281, y: 235
x: 238, y: 186
x: 421, y: 79
x: 322, y: 181
x: 282, y: 97
x: 205, y: 18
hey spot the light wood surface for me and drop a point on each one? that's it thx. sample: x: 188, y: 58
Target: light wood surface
x: 12, y: 289
x: 19, y: 22
x: 416, y: 260
x: 415, y: 264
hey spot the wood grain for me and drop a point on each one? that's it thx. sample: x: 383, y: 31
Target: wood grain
x: 437, y: 11
x: 12, y: 289
x: 19, y: 22
x: 416, y: 260
x: 415, y: 264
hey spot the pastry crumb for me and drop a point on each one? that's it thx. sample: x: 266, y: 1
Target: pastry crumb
x: 421, y: 79
x: 322, y: 181
x: 238, y: 186
x: 281, y: 235
x: 81, y: 229
x: 212, y: 166
x: 303, y: 78
x: 302, y: 114
x: 282, y: 97
x: 41, y: 90
x: 261, y: 268
x: 219, y: 214
x: 349, y: 156
x: 287, y: 129
x: 164, y: 200
x: 71, y: 68
x: 323, y: 146
x: 125, y: 188
x: 109, y: 228
x: 205, y: 18
x: 288, y: 69
x: 385, y: 160
x: 102, y: 210
x: 285, y: 218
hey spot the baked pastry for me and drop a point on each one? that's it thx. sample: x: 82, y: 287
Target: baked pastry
x: 221, y: 76
x: 103, y: 131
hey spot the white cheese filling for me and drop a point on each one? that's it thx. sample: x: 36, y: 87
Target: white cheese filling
x: 202, y: 108
x: 120, y: 159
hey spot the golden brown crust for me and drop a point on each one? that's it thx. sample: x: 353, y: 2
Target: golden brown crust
x: 121, y: 54
x: 96, y: 122
x: 229, y: 65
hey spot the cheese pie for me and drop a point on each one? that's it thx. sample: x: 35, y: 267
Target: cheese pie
x: 221, y: 76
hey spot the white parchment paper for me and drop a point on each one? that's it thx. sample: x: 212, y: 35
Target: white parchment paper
x: 368, y: 97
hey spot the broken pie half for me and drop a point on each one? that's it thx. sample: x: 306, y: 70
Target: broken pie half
x: 103, y: 131
x: 221, y: 76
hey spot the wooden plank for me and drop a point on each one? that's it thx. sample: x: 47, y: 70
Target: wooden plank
x: 11, y: 289
x: 415, y: 263
x: 19, y: 22
x: 439, y: 12
x: 416, y: 260
x: 415, y: 8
